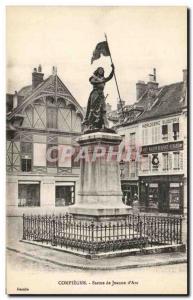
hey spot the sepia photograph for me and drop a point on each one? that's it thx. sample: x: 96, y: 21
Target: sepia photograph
x: 97, y: 150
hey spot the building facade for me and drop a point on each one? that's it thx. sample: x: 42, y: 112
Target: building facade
x: 129, y: 172
x: 158, y: 124
x: 43, y: 123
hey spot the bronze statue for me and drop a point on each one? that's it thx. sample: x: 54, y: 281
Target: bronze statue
x: 95, y: 119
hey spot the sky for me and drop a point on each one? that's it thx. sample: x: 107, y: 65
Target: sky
x: 140, y: 39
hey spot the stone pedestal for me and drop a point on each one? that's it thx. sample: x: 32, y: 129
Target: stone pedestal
x: 100, y: 194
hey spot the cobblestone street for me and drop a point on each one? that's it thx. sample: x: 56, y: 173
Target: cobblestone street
x: 18, y: 260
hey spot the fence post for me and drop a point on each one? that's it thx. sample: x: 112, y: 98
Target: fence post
x: 92, y: 237
x: 24, y: 233
x: 180, y: 230
x: 140, y: 234
x: 53, y: 231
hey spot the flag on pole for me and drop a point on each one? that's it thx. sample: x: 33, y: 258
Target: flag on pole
x: 101, y: 48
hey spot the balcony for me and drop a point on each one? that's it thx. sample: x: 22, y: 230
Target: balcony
x: 161, y: 171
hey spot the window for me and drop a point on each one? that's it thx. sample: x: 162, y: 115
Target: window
x: 52, y: 155
x: 176, y: 131
x: 29, y: 194
x: 165, y: 132
x: 26, y: 165
x: 165, y: 161
x: 132, y: 140
x: 174, y: 196
x: 132, y: 169
x: 65, y: 195
x: 153, y: 195
x: 145, y: 136
x: 155, y: 134
x: 51, y: 117
x: 176, y: 160
x: 26, y: 148
x: 155, y: 162
x: 145, y: 163
x: 76, y: 162
x: 26, y: 157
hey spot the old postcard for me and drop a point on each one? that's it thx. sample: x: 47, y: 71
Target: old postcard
x: 96, y: 134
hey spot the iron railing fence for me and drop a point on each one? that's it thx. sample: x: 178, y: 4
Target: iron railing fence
x: 136, y: 231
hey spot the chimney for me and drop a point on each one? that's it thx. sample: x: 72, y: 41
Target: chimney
x: 152, y: 84
x: 141, y: 87
x: 184, y: 75
x: 54, y: 70
x: 15, y: 100
x: 37, y: 77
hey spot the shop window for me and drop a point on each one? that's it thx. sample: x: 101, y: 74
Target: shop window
x: 165, y: 132
x: 52, y: 117
x: 174, y: 196
x: 165, y: 161
x: 176, y: 160
x: 52, y: 155
x: 29, y: 194
x: 153, y: 195
x: 65, y: 195
x: 176, y: 131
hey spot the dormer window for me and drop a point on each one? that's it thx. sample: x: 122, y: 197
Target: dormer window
x: 165, y: 132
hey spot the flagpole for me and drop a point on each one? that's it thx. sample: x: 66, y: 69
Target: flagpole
x: 115, y: 78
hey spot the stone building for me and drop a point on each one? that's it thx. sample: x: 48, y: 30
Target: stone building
x: 156, y: 130
x: 43, y: 121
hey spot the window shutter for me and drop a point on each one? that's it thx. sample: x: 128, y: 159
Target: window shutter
x: 170, y: 132
x: 143, y: 136
x: 152, y: 132
x: 39, y: 155
x: 164, y: 129
x: 176, y: 127
x: 149, y: 157
x: 170, y: 161
x: 146, y: 135
x: 181, y: 160
x: 158, y: 134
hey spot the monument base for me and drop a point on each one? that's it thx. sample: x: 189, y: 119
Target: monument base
x: 100, y: 213
x: 100, y: 194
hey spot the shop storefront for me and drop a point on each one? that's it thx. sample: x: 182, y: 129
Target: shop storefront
x: 129, y: 189
x: 161, y: 193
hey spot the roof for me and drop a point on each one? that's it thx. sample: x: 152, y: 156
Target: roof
x: 26, y: 95
x: 168, y: 101
x: 25, y: 91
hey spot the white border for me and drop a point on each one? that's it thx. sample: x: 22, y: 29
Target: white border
x: 3, y: 4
